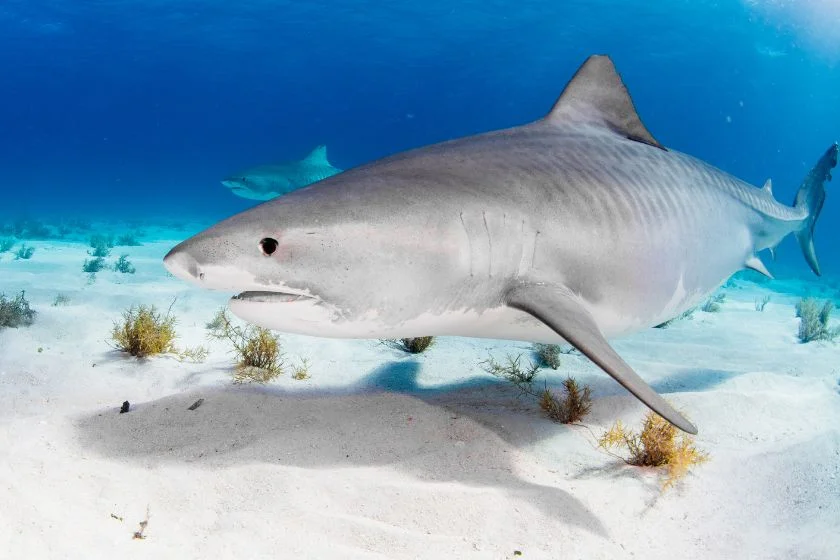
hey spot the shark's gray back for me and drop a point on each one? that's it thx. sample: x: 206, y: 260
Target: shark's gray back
x: 579, y: 166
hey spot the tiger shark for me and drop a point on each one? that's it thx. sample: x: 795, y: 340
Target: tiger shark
x: 575, y: 228
x: 265, y: 182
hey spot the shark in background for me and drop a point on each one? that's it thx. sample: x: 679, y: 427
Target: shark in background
x: 265, y: 182
x: 577, y: 228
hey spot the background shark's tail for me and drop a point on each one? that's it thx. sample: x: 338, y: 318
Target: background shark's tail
x: 811, y: 196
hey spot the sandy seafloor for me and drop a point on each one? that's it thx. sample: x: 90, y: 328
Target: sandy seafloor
x: 385, y: 455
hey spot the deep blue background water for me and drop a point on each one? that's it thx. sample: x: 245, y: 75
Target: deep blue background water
x: 138, y: 108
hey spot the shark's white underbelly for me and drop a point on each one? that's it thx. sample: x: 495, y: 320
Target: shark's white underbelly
x: 309, y: 318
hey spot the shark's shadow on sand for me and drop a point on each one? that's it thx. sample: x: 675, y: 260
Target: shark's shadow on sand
x: 481, y: 397
x: 470, y: 432
x: 400, y: 376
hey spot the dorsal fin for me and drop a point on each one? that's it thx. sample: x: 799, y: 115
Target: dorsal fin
x: 317, y: 156
x: 768, y: 187
x: 597, y: 94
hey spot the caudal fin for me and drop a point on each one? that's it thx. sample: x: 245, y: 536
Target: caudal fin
x: 811, y: 196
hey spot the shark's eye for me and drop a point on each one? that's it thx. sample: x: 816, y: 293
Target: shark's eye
x: 268, y: 246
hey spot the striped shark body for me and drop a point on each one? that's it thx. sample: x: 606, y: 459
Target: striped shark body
x: 575, y: 228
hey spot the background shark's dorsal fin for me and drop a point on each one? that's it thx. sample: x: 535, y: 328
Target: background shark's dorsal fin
x: 596, y: 93
x: 318, y: 156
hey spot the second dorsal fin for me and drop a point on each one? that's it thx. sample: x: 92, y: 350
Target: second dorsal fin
x: 768, y: 187
x: 597, y: 94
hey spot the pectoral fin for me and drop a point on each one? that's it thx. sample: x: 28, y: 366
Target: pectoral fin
x: 560, y: 309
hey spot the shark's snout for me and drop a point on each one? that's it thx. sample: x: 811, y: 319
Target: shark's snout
x: 215, y: 264
x: 182, y: 265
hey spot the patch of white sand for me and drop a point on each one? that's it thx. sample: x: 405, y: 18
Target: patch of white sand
x: 382, y: 455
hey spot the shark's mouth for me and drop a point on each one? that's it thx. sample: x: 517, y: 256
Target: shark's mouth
x: 283, y: 311
x: 271, y: 297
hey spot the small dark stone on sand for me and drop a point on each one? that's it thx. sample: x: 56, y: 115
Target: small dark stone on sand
x: 196, y: 404
x: 125, y: 407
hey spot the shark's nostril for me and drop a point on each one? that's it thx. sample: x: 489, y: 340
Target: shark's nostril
x: 182, y: 265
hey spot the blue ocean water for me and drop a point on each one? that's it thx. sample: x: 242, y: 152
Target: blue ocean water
x: 137, y: 108
x: 124, y: 115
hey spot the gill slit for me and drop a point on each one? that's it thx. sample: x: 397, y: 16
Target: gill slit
x: 469, y: 241
x: 489, y: 246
